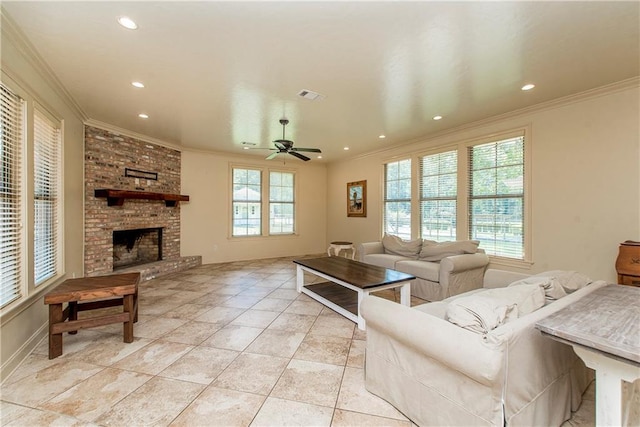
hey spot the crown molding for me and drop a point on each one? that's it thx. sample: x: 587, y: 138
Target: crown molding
x: 631, y: 83
x: 11, y: 31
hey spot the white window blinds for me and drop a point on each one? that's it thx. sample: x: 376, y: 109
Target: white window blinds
x: 397, y: 199
x: 46, y: 158
x: 11, y: 139
x: 496, y: 197
x: 281, y: 203
x: 438, y: 196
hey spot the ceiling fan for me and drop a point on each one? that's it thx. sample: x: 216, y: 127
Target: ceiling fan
x: 286, y: 146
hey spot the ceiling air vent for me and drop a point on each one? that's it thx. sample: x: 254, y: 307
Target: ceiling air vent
x: 310, y: 95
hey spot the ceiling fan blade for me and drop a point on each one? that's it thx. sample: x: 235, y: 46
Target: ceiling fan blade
x: 280, y: 145
x: 272, y: 155
x: 309, y: 150
x: 300, y: 156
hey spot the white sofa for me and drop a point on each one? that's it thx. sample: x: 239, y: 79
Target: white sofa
x: 438, y: 373
x: 435, y: 280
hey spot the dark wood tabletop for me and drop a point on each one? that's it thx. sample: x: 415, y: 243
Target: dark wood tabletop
x: 354, y: 272
x: 91, y: 288
x: 607, y: 320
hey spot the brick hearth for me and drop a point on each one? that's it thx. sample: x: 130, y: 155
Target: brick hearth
x: 107, y: 154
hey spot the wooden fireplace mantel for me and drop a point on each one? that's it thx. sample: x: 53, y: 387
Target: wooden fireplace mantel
x: 116, y: 197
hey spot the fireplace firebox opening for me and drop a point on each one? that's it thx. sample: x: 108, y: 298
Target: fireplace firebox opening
x: 136, y: 247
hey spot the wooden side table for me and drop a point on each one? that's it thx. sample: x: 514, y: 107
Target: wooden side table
x: 91, y: 293
x: 628, y: 263
x: 338, y: 246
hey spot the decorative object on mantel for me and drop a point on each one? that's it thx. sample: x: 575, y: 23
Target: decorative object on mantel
x: 135, y: 173
x: 116, y: 197
x: 357, y: 198
x: 628, y: 263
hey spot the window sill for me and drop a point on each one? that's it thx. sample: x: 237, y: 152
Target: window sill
x: 21, y: 304
x: 509, y: 262
x: 257, y: 238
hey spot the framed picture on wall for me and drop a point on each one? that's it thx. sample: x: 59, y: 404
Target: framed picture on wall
x: 357, y: 198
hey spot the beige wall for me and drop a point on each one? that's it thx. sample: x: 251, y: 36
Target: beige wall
x: 206, y: 217
x: 23, y: 327
x: 585, y: 180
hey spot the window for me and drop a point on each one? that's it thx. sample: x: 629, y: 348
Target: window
x: 281, y: 203
x: 249, y: 191
x: 397, y: 199
x: 496, y: 197
x: 11, y: 143
x: 45, y: 181
x: 438, y: 196
x: 473, y: 190
x: 247, y: 202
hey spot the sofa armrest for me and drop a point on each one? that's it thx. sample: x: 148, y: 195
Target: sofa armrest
x: 369, y: 248
x: 459, y: 263
x: 437, y: 339
x: 462, y: 273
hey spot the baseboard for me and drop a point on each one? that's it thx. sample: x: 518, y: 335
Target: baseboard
x: 21, y: 354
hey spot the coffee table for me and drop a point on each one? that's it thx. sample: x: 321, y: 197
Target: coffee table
x: 348, y: 282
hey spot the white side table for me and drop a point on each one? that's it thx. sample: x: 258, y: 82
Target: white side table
x: 336, y: 247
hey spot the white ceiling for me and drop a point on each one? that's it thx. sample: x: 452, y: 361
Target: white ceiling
x: 220, y: 73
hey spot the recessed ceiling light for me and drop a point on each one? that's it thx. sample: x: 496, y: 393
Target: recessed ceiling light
x: 143, y: 116
x: 528, y: 86
x: 346, y: 148
x: 319, y: 157
x: 437, y: 117
x: 382, y: 137
x: 127, y: 22
x: 137, y: 84
x: 246, y: 148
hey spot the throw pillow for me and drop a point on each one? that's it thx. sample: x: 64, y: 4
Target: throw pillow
x: 486, y: 310
x: 570, y: 281
x: 436, y: 251
x: 552, y: 289
x: 396, y: 246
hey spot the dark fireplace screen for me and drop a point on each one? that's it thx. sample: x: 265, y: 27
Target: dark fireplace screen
x: 135, y: 247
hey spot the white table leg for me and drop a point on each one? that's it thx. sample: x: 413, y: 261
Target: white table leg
x: 299, y: 278
x: 361, y: 322
x: 609, y: 375
x: 405, y: 294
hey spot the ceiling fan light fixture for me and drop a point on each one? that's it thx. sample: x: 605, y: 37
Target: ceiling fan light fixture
x: 310, y: 95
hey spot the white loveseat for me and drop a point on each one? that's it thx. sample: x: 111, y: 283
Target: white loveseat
x: 451, y: 272
x: 438, y: 373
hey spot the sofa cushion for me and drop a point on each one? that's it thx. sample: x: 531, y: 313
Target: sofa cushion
x: 552, y: 288
x: 489, y: 309
x: 436, y: 251
x: 422, y: 269
x: 396, y: 246
x: 570, y: 281
x: 383, y: 260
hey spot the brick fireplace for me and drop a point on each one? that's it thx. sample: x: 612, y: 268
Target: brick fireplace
x: 109, y: 157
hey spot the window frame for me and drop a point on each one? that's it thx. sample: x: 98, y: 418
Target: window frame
x: 463, y: 215
x: 29, y: 291
x: 412, y: 191
x: 56, y: 186
x: 282, y: 202
x: 265, y: 227
x: 421, y: 184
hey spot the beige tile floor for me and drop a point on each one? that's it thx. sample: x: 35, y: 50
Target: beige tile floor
x: 229, y: 344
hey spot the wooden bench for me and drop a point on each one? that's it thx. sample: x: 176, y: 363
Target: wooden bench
x: 91, y: 293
